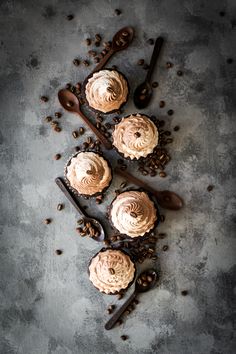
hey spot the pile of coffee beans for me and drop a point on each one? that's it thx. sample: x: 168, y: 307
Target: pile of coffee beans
x: 86, y: 228
x: 146, y: 278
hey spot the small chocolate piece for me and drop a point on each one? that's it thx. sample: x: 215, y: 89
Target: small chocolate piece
x: 76, y: 62
x: 155, y: 84
x: 210, y: 188
x: 150, y: 41
x: 165, y: 248
x: 140, y: 62
x: 184, y: 292
x: 44, y: 99
x: 179, y: 73
x: 47, y: 221
x: 117, y: 12
x: 88, y: 41
x: 176, y: 128
x: 170, y: 112
x: 57, y: 157
x: 162, y: 104
x: 75, y: 134
x: 58, y: 252
x: 70, y: 17
x: 124, y: 337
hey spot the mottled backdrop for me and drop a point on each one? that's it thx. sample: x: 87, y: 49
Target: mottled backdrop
x: 47, y: 303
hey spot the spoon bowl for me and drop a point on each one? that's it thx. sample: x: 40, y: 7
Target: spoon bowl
x: 68, y: 101
x: 122, y: 38
x: 94, y: 222
x: 142, y: 95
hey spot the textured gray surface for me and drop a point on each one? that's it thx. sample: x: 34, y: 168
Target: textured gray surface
x: 47, y: 302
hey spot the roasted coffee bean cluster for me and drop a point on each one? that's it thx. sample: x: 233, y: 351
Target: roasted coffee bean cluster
x: 87, y: 229
x: 145, y: 279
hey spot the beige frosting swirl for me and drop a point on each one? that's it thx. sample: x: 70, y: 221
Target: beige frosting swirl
x: 88, y: 173
x: 111, y: 270
x: 133, y: 213
x: 135, y: 136
x: 106, y: 90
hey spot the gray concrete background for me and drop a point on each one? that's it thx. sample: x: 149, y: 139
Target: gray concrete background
x: 47, y: 302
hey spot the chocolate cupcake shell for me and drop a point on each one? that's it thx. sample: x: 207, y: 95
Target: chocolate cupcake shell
x: 156, y: 223
x: 87, y: 196
x: 127, y: 254
x: 142, y: 157
x: 84, y: 95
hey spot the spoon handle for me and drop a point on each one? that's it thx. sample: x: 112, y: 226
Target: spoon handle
x: 155, y: 55
x: 104, y: 60
x: 110, y: 324
x: 61, y: 184
x: 100, y: 136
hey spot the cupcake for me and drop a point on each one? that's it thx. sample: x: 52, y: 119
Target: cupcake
x: 135, y: 136
x: 133, y: 213
x: 88, y: 173
x: 111, y: 271
x: 106, y: 91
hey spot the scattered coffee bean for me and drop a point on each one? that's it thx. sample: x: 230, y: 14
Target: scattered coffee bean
x: 124, y: 337
x: 75, y: 134
x: 57, y: 129
x: 70, y: 17
x: 119, y: 322
x: 58, y: 114
x: 92, y: 53
x: 229, y: 61
x: 57, y: 157
x: 169, y: 65
x: 77, y: 148
x: 80, y: 221
x: 162, y: 104
x: 176, y: 128
x: 96, y: 60
x: 179, y: 73
x: 123, y: 184
x: 162, y: 218
x: 140, y: 62
x: 150, y: 41
x: 136, y: 301
x: 155, y: 84
x: 60, y: 207
x: 162, y: 174
x: 85, y: 62
x: 81, y: 130
x: 145, y: 66
x: 48, y: 119
x: 106, y: 242
x: 58, y: 252
x: 210, y: 188
x: 76, y: 62
x: 108, y: 125
x: 184, y: 292
x: 44, y: 99
x: 47, y: 221
x: 88, y: 41
x: 165, y: 248
x: 149, y: 279
x: 98, y: 37
x: 117, y: 12
x: 109, y: 311
x: 170, y: 112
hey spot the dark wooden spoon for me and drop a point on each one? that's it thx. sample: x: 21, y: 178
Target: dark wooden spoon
x: 120, y: 41
x: 143, y: 92
x: 166, y: 199
x: 61, y: 184
x: 71, y: 103
x: 139, y: 288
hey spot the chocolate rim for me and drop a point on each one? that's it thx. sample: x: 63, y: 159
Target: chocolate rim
x: 84, y: 95
x: 87, y: 196
x: 151, y: 197
x: 132, y: 260
x: 141, y: 157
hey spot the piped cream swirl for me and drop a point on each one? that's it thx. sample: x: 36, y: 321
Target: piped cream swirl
x: 106, y: 90
x: 88, y: 173
x: 111, y: 270
x: 133, y: 213
x: 135, y: 136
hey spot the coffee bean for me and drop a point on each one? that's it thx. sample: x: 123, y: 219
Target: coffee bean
x: 123, y: 167
x: 47, y: 221
x: 60, y: 207
x: 123, y: 184
x: 58, y: 252
x: 162, y: 104
x: 81, y: 130
x: 98, y: 37
x: 137, y: 134
x: 176, y: 128
x: 124, y: 337
x: 170, y: 112
x: 44, y: 99
x: 150, y: 41
x: 75, y: 134
x: 111, y: 271
x: 140, y: 62
x: 184, y: 292
x: 48, y: 119
x: 165, y: 248
x: 113, y: 238
x: 169, y: 65
x: 76, y: 62
x: 98, y: 201
x: 108, y: 125
x: 153, y: 174
x: 57, y: 157
x: 80, y: 221
x: 106, y: 44
x: 179, y: 73
x: 109, y: 311
x: 88, y: 41
x: 154, y: 258
x: 97, y: 43
x: 57, y: 129
x: 144, y: 284
x: 145, y: 66
x: 210, y: 188
x: 85, y: 62
x: 92, y: 53
x: 96, y: 60
x: 117, y: 12
x: 77, y: 148
x: 58, y: 114
x: 119, y: 322
x: 70, y: 17
x: 155, y: 84
x: 162, y: 218
x: 149, y: 278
